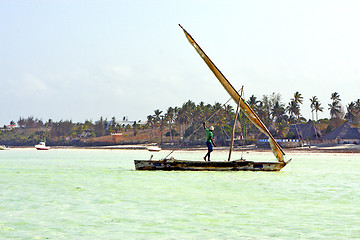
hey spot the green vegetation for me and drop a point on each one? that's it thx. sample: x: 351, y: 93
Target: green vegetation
x: 178, y: 124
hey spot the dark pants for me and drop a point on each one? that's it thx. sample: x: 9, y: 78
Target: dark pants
x: 209, y: 146
x: 210, y: 149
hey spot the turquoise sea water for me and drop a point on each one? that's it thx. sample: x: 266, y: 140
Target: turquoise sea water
x: 97, y: 194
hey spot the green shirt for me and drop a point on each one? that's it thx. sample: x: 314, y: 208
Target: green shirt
x: 209, y: 135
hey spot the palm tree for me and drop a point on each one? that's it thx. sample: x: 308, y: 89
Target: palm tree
x: 335, y: 97
x: 293, y: 109
x: 335, y: 107
x: 163, y: 119
x: 281, y: 127
x: 219, y: 116
x: 357, y: 112
x: 189, y: 108
x: 313, y: 101
x: 157, y: 117
x: 264, y: 109
x: 298, y: 98
x: 277, y: 111
x: 170, y: 118
x: 261, y: 111
x: 160, y: 121
x: 350, y: 111
x: 150, y: 121
x: 318, y: 108
x: 176, y: 116
x: 229, y: 112
x: 181, y: 120
x: 253, y: 102
x: 353, y: 112
x: 185, y: 116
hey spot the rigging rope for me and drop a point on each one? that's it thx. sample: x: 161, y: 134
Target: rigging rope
x: 197, y: 129
x: 242, y: 132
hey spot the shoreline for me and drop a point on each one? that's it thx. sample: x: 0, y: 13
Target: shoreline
x: 341, y: 148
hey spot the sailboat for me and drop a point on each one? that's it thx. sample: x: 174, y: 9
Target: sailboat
x: 234, y: 165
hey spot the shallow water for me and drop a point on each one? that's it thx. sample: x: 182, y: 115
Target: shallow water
x: 97, y: 194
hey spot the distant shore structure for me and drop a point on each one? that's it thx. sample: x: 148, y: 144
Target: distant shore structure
x: 125, y: 122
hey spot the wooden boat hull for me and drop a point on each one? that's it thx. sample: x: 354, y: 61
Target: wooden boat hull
x: 185, y: 165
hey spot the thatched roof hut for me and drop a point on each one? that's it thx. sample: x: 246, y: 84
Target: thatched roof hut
x: 344, y: 132
x: 305, y: 131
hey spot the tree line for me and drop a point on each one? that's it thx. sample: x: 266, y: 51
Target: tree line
x: 184, y: 123
x: 275, y: 114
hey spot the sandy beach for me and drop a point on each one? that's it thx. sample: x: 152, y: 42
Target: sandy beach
x: 345, y: 148
x: 341, y: 148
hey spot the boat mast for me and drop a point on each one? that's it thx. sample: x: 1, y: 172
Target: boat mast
x: 233, y: 129
x: 249, y: 113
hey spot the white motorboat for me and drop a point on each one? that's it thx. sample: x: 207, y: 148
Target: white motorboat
x: 42, y: 146
x: 3, y: 147
x: 153, y: 149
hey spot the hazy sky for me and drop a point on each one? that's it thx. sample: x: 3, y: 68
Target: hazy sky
x: 81, y: 60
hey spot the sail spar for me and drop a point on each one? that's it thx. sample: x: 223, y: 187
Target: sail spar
x: 250, y: 114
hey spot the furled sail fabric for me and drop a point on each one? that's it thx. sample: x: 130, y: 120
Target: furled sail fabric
x: 251, y: 115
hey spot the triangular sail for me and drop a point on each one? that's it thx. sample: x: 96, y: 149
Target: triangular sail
x: 250, y: 114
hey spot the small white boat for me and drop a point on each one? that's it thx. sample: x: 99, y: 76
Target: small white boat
x: 42, y: 146
x: 3, y: 147
x: 153, y: 149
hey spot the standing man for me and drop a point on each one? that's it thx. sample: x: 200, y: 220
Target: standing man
x: 209, y: 140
